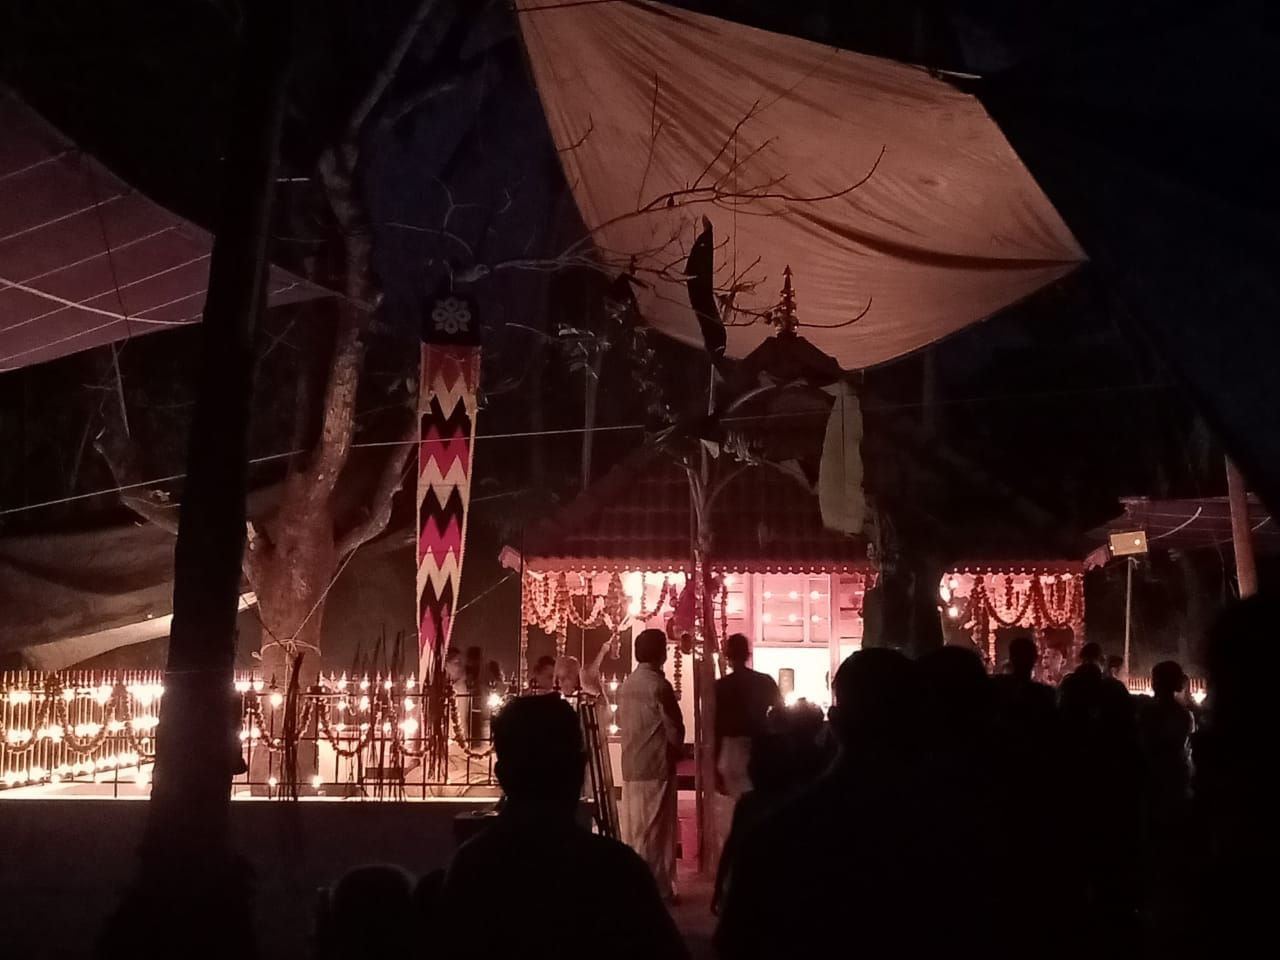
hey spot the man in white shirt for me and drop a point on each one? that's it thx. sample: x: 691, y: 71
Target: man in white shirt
x: 652, y: 738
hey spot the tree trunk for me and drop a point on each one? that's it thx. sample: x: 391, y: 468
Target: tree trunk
x: 191, y: 888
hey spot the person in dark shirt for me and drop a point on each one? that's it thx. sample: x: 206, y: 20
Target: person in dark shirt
x: 785, y: 759
x: 838, y: 868
x: 1018, y: 693
x: 1101, y: 776
x: 1165, y: 726
x: 743, y: 700
x: 536, y: 860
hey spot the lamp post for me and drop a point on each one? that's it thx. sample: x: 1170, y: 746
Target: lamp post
x: 1129, y: 545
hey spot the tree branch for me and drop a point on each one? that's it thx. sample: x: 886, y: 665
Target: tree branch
x: 390, y: 67
x: 392, y: 478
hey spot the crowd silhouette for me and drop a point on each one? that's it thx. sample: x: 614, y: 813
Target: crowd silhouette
x: 960, y: 814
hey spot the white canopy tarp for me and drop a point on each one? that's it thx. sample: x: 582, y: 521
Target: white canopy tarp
x: 663, y: 117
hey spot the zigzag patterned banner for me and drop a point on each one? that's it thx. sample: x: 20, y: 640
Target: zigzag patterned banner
x: 449, y: 382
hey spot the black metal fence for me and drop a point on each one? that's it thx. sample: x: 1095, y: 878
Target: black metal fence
x: 364, y: 737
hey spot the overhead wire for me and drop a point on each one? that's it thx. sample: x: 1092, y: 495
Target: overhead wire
x: 572, y: 431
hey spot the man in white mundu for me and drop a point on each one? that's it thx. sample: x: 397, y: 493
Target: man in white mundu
x: 652, y: 737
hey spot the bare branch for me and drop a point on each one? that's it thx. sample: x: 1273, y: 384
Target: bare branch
x: 591, y: 125
x: 390, y: 67
x: 406, y: 105
x: 394, y: 472
x: 843, y: 323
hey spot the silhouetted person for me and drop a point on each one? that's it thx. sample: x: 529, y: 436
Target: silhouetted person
x: 535, y: 863
x: 473, y: 666
x: 1026, y: 774
x: 1165, y: 726
x: 786, y: 757
x: 743, y: 700
x: 838, y: 866
x: 542, y: 679
x: 456, y: 672
x: 1115, y: 667
x: 963, y: 829
x: 1102, y: 767
x: 1026, y: 709
x: 1234, y: 789
x: 652, y: 731
x: 369, y: 914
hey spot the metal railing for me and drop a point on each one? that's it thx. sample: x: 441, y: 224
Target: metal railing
x: 364, y: 737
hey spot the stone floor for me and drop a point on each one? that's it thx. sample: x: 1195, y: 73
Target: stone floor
x: 692, y: 912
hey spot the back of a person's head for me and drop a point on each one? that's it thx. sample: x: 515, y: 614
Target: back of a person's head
x: 544, y: 672
x: 370, y: 913
x: 804, y: 717
x: 1023, y: 654
x: 1167, y: 678
x: 538, y: 742
x: 1091, y: 652
x: 651, y: 646
x: 956, y: 690
x: 876, y: 698
x: 737, y: 648
x: 1242, y: 655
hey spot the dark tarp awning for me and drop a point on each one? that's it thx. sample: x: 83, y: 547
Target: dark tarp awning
x: 1190, y: 524
x: 85, y: 259
x: 68, y: 597
x: 1158, y: 147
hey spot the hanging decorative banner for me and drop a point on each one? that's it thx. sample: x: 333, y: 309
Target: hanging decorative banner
x: 447, y: 394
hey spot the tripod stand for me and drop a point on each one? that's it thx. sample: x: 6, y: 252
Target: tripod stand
x: 605, y: 805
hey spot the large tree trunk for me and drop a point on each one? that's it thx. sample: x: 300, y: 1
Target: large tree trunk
x: 191, y: 888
